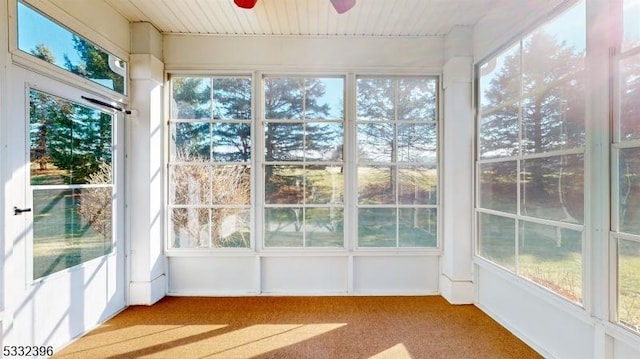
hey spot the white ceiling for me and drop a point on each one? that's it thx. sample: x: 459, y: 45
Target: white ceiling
x: 310, y: 17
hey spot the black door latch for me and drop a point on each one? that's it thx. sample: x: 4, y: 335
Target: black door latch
x: 18, y: 211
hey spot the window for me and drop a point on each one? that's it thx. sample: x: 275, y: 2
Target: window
x: 397, y: 165
x: 304, y: 167
x: 71, y: 152
x: 210, y: 173
x: 626, y: 173
x: 301, y: 178
x: 51, y: 42
x: 530, y: 155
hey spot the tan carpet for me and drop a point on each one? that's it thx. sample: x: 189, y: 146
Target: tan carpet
x: 300, y: 327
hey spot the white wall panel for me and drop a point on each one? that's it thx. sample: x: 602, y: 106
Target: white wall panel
x: 304, y: 275
x: 220, y: 275
x: 395, y: 275
x: 549, y: 328
x: 624, y: 350
x: 293, y: 53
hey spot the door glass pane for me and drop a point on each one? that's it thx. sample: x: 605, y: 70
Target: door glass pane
x: 49, y: 41
x: 552, y: 257
x: 71, y: 149
x: 70, y: 226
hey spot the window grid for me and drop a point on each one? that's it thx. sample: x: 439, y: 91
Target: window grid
x: 509, y: 131
x: 625, y: 149
x: 396, y: 165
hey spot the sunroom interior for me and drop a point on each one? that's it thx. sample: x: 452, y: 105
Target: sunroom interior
x: 485, y: 151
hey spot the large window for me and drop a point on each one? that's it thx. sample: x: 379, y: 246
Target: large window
x: 290, y: 185
x: 49, y: 41
x: 304, y: 168
x: 530, y: 155
x: 210, y: 173
x: 626, y: 164
x: 71, y: 153
x: 397, y: 162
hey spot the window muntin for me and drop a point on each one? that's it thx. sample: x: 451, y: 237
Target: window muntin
x: 625, y: 221
x: 303, y: 161
x: 71, y: 171
x: 210, y: 172
x: 397, y: 161
x: 49, y: 41
x: 530, y: 165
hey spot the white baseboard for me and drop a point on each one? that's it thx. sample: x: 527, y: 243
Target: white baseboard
x: 457, y: 292
x: 147, y: 293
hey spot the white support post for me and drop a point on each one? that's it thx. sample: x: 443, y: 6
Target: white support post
x: 456, y: 283
x: 145, y: 170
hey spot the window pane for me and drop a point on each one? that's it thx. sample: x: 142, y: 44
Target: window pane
x: 376, y: 185
x: 377, y: 227
x: 190, y: 184
x: 629, y: 284
x: 498, y: 133
x: 324, y: 227
x: 299, y: 98
x: 231, y: 185
x: 323, y: 141
x: 629, y: 187
x: 231, y: 98
x: 417, y: 185
x: 283, y: 227
x: 417, y: 99
x: 631, y: 26
x: 284, y: 142
x: 231, y: 227
x: 51, y: 42
x: 191, y: 228
x: 417, y: 143
x: 630, y: 98
x: 553, y: 188
x: 497, y: 241
x: 190, y: 141
x: 284, y: 184
x: 376, y: 99
x: 500, y: 79
x: 376, y: 142
x: 498, y: 186
x: 69, y: 143
x: 231, y: 142
x: 552, y: 257
x: 191, y: 98
x: 418, y: 227
x: 70, y: 226
x: 325, y: 184
x: 324, y: 98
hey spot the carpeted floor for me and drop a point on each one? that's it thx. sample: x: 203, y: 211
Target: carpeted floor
x: 300, y: 327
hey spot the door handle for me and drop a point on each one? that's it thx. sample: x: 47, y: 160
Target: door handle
x: 18, y: 211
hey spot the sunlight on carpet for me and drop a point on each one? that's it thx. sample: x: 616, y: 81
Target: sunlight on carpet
x: 398, y: 351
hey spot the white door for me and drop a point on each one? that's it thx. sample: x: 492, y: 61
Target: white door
x: 65, y: 254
